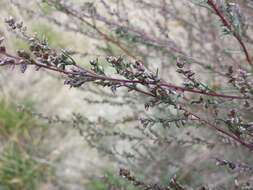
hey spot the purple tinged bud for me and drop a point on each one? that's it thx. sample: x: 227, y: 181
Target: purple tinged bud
x: 23, y: 68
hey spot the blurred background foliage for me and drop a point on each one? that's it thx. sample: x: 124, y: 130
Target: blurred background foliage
x: 69, y: 138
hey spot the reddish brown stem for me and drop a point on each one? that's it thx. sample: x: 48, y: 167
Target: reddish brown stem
x: 227, y: 24
x: 95, y: 76
x: 235, y: 138
x: 116, y: 80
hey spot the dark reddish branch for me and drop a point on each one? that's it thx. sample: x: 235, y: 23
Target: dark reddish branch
x: 164, y: 84
x: 227, y: 24
x: 97, y: 77
x: 235, y: 138
x: 93, y: 75
x: 178, y: 88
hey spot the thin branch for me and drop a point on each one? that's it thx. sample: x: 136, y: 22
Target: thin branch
x: 227, y: 24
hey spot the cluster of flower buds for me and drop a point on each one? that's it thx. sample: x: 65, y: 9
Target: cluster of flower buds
x: 13, y: 24
x: 242, y: 80
x: 241, y: 167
